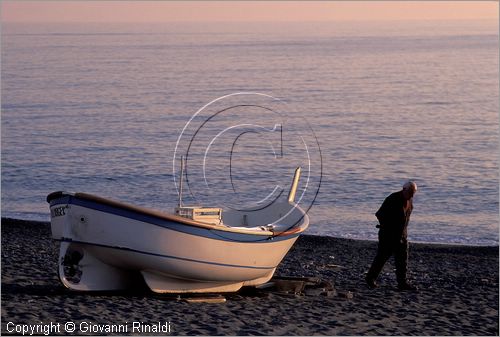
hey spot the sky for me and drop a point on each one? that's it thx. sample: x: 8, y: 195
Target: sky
x: 243, y: 11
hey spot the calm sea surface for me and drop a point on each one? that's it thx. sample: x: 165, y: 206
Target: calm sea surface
x: 99, y: 109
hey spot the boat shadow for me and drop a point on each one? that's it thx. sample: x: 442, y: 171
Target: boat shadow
x: 282, y: 286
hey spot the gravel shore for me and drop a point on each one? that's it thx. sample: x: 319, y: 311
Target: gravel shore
x: 459, y: 294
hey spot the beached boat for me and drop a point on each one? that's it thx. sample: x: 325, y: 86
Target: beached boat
x: 105, y: 244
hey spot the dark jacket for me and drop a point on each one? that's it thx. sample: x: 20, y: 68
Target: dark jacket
x: 393, y: 219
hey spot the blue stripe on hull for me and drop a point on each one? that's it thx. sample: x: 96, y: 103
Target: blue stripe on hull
x: 164, y: 256
x: 179, y: 227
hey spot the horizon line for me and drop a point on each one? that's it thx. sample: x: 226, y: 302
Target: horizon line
x: 262, y: 21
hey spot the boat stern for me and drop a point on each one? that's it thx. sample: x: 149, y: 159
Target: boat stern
x: 59, y: 213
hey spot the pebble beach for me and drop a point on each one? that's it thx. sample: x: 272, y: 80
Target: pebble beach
x: 458, y: 295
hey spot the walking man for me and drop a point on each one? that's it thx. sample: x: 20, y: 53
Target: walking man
x: 393, y: 217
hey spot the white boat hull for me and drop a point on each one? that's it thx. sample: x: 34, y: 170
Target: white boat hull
x: 104, y: 244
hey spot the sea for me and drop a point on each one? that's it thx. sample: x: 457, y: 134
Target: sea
x: 361, y: 107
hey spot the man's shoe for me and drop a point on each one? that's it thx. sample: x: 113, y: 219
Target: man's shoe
x: 407, y: 287
x: 371, y: 283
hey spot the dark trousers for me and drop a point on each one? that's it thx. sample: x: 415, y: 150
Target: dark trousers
x: 386, y: 248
